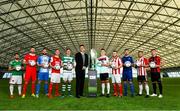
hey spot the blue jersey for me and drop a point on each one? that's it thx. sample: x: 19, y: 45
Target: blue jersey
x: 125, y: 59
x: 44, y: 59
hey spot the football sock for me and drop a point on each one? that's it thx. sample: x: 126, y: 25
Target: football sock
x: 25, y: 87
x: 125, y: 88
x: 56, y: 89
x: 120, y: 89
x: 108, y: 87
x: 37, y: 88
x: 11, y: 88
x: 132, y: 88
x: 50, y: 88
x: 19, y: 89
x: 160, y: 87
x: 115, y: 88
x: 154, y: 88
x: 140, y: 88
x: 69, y: 88
x: 46, y: 88
x: 63, y: 88
x: 33, y: 87
x: 103, y: 87
x: 147, y: 89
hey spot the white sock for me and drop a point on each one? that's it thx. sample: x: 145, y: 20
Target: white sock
x: 140, y: 88
x: 19, y: 89
x: 108, y: 87
x: 103, y: 87
x: 11, y: 88
x: 147, y: 89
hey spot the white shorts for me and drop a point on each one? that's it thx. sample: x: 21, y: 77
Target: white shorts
x: 15, y: 80
x: 116, y: 78
x: 67, y: 76
x: 55, y: 78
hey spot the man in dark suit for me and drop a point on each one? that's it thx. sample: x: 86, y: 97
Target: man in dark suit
x: 81, y: 59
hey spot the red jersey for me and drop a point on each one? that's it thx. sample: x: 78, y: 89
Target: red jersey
x: 29, y: 58
x: 117, y: 62
x: 55, y: 61
x: 157, y: 60
x: 142, y: 70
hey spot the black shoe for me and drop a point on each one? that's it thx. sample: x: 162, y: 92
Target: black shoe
x: 139, y: 95
x: 147, y: 96
x: 78, y: 97
x: 107, y: 95
x: 101, y: 95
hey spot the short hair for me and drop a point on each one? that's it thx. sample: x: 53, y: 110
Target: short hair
x: 16, y: 53
x: 44, y: 48
x: 140, y: 51
x: 126, y: 49
x: 81, y: 45
x: 114, y: 50
x: 102, y: 49
x: 153, y: 49
x: 68, y: 49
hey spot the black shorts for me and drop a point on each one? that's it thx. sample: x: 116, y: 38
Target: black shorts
x: 104, y: 76
x: 141, y: 79
x: 155, y: 76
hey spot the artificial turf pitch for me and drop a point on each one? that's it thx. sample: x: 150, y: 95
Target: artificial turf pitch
x: 170, y: 100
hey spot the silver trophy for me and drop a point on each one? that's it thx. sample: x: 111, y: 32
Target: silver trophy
x: 92, y: 74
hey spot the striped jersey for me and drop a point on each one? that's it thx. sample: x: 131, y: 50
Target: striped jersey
x: 116, y: 61
x: 68, y: 63
x: 142, y: 70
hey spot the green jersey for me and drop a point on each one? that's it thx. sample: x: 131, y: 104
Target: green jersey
x: 68, y: 63
x: 17, y: 67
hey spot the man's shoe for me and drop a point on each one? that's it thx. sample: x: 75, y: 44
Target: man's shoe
x: 33, y: 95
x: 147, y: 96
x: 23, y: 96
x: 108, y: 95
x: 153, y: 95
x: 160, y: 96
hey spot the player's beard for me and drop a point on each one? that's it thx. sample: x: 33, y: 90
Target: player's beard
x: 17, y: 58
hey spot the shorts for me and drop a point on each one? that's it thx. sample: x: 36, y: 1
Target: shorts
x: 55, y: 78
x: 67, y: 76
x: 155, y: 76
x: 43, y: 76
x: 15, y: 79
x: 104, y: 76
x: 30, y: 75
x: 127, y: 76
x: 116, y: 78
x: 142, y: 78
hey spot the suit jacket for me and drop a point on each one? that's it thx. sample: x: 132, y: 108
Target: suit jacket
x: 79, y: 61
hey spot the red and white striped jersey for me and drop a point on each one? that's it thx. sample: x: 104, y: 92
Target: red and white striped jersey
x: 142, y: 70
x: 117, y: 62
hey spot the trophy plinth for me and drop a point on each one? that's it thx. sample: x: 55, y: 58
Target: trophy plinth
x: 92, y: 75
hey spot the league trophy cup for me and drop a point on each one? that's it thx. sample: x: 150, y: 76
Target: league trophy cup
x: 92, y: 74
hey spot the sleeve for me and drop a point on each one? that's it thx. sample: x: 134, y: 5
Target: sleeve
x: 146, y: 61
x: 39, y: 60
x: 132, y: 61
x: 51, y: 60
x: 158, y: 60
x: 119, y: 61
x: 11, y: 64
x: 26, y: 57
x: 122, y: 59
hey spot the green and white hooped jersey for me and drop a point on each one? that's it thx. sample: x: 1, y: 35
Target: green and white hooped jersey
x: 15, y: 64
x: 68, y: 63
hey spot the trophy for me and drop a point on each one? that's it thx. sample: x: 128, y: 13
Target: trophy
x: 92, y: 74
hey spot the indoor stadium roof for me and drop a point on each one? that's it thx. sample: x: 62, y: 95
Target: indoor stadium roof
x: 109, y: 24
